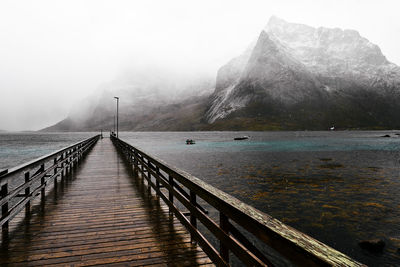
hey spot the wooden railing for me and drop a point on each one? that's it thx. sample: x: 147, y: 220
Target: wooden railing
x: 237, y: 220
x: 22, y: 184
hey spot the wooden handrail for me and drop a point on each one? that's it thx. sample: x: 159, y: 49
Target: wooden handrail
x: 292, y: 244
x: 8, y: 172
x: 30, y: 179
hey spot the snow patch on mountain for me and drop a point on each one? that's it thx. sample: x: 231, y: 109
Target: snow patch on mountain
x: 228, y: 76
x: 222, y: 107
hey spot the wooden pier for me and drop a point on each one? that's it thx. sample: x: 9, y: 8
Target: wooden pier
x: 112, y: 204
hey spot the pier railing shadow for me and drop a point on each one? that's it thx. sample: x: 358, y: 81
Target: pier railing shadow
x: 162, y: 221
x: 237, y: 220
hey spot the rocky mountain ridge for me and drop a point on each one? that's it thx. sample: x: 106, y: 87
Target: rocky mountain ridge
x: 294, y: 66
x: 294, y: 77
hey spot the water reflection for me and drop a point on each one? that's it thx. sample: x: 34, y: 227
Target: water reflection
x: 163, y: 222
x: 25, y: 227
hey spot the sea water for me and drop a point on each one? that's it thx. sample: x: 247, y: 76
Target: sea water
x: 340, y: 187
x: 18, y: 148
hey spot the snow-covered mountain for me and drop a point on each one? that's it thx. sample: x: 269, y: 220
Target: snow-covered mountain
x: 293, y: 77
x: 293, y: 65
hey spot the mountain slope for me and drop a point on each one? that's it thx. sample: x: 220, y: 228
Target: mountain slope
x: 299, y: 77
x: 294, y: 77
x: 149, y: 100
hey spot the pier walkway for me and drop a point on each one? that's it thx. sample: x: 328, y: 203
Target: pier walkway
x: 100, y: 215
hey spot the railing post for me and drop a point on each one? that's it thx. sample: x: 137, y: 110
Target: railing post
x: 148, y: 176
x: 42, y: 182
x: 73, y: 157
x: 55, y: 171
x: 70, y: 160
x: 75, y: 149
x: 131, y: 156
x: 224, y: 224
x: 66, y: 163
x: 62, y: 166
x: 142, y: 164
x: 142, y: 168
x: 193, y: 220
x: 27, y: 193
x: 135, y: 163
x: 77, y: 155
x: 157, y: 177
x: 4, y: 209
x: 170, y: 194
x: 68, y: 168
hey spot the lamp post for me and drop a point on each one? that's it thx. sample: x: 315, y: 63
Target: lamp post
x: 117, y: 98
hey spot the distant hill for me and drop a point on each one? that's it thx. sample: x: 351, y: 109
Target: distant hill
x: 147, y: 102
x: 295, y: 77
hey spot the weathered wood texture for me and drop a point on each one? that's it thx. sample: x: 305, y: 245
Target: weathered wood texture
x: 101, y: 215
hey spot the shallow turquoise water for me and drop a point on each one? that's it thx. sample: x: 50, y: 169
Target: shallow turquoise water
x: 274, y: 142
x: 18, y: 148
x: 296, y: 145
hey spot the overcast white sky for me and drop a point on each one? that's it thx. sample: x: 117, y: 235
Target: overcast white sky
x: 54, y: 53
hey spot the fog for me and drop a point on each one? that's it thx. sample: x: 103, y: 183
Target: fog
x: 55, y: 53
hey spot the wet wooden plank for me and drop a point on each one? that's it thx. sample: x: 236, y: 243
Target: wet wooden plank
x: 102, y: 215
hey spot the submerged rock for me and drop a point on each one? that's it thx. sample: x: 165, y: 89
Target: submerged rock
x: 373, y: 245
x: 386, y: 135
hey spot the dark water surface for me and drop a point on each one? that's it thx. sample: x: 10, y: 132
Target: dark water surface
x: 339, y: 187
x: 18, y: 148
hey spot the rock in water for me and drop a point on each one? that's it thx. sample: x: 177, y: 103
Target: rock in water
x: 373, y: 245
